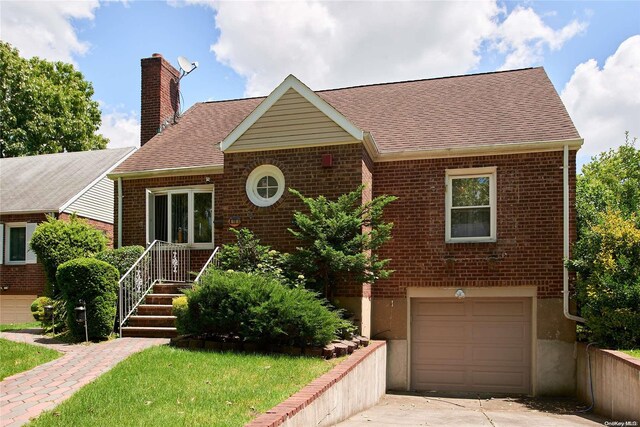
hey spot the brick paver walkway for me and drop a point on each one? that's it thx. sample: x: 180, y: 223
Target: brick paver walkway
x: 27, y: 394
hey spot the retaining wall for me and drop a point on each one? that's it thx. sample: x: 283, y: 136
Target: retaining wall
x: 353, y: 386
x: 616, y: 383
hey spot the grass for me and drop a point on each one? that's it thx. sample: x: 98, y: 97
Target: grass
x: 19, y: 357
x: 166, y: 386
x: 18, y: 326
x: 634, y: 353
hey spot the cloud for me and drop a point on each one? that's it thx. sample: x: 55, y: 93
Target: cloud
x: 523, y: 37
x: 45, y: 28
x: 604, y: 102
x: 333, y: 44
x: 330, y: 44
x: 122, y: 129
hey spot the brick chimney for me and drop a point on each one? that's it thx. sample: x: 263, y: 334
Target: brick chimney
x: 159, y: 95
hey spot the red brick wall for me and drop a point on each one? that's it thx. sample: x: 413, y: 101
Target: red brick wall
x: 529, y: 243
x: 303, y: 171
x: 30, y: 278
x: 24, y: 279
x: 159, y: 95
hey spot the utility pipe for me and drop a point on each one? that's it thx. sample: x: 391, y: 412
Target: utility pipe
x: 565, y: 278
x: 119, y: 212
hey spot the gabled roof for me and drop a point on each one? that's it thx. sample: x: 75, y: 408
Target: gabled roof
x: 434, y: 117
x: 48, y: 182
x: 291, y: 82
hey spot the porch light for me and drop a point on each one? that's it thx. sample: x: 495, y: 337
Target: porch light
x: 460, y: 294
x: 48, y: 312
x: 81, y: 317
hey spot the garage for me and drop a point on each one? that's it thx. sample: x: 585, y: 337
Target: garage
x: 471, y: 344
x: 16, y: 308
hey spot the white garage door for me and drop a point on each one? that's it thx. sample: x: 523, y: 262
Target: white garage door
x: 472, y: 344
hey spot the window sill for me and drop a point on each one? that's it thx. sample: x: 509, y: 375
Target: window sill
x: 16, y: 263
x: 472, y: 240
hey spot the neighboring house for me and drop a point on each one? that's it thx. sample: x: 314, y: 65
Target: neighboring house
x: 484, y: 169
x: 50, y: 184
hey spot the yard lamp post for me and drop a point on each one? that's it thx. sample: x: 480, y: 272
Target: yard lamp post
x: 49, y: 312
x: 81, y: 317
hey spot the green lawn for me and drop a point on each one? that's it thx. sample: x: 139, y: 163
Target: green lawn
x: 166, y: 386
x: 18, y: 357
x: 18, y: 326
x: 634, y: 353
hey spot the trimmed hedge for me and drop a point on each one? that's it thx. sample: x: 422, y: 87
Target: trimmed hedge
x: 257, y: 309
x: 57, y: 241
x: 122, y: 258
x: 95, y: 282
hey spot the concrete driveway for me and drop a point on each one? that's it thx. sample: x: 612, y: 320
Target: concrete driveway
x: 426, y: 410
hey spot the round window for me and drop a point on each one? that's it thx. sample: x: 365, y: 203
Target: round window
x: 265, y: 185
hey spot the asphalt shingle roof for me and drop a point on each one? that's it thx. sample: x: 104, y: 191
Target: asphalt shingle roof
x: 46, y: 182
x: 506, y: 107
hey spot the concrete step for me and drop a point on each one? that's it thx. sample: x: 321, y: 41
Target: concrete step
x: 149, y: 332
x: 161, y: 298
x: 170, y: 288
x: 152, y: 321
x: 155, y: 309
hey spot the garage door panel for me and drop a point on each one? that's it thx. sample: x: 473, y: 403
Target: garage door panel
x: 488, y: 349
x: 448, y: 309
x: 499, y: 308
x: 497, y: 332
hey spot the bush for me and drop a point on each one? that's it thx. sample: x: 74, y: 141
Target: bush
x: 258, y: 309
x: 95, y: 282
x: 181, y: 311
x: 57, y: 241
x: 122, y: 258
x: 59, y: 313
x: 606, y: 262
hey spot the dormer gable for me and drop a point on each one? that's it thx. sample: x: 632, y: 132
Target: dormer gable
x: 292, y: 116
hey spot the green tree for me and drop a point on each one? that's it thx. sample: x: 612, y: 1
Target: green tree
x: 45, y: 107
x: 610, y: 181
x: 338, y: 240
x: 607, y: 253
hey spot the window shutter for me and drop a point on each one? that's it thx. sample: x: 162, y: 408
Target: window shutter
x: 151, y: 217
x: 1, y: 243
x: 31, y: 256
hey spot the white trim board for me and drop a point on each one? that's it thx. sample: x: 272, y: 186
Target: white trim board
x: 291, y: 82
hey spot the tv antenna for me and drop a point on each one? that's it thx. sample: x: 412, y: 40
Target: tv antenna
x: 186, y: 66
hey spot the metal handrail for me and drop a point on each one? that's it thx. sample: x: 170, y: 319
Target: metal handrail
x: 161, y: 261
x: 209, y: 262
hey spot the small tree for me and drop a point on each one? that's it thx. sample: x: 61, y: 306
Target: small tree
x: 57, y: 241
x: 606, y: 254
x: 338, y: 240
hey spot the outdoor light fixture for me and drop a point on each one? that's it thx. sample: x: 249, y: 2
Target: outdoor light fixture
x: 81, y: 317
x: 235, y: 221
x: 48, y: 312
x: 460, y: 294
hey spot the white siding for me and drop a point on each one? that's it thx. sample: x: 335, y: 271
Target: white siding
x: 96, y: 203
x: 291, y: 121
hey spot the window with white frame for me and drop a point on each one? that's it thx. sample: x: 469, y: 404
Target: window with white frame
x: 16, y: 243
x: 265, y: 185
x: 181, y: 215
x: 471, y: 205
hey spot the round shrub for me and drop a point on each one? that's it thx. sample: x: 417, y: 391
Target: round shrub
x: 95, y: 282
x: 181, y: 311
x: 259, y: 309
x: 57, y: 241
x: 122, y: 258
x: 37, y: 308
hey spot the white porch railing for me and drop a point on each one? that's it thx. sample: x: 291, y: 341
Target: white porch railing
x: 161, y: 262
x: 212, y: 261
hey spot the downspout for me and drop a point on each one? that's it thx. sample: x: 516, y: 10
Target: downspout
x: 565, y: 278
x: 119, y: 212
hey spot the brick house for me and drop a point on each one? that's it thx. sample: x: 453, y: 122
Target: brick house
x: 484, y: 168
x: 36, y: 186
